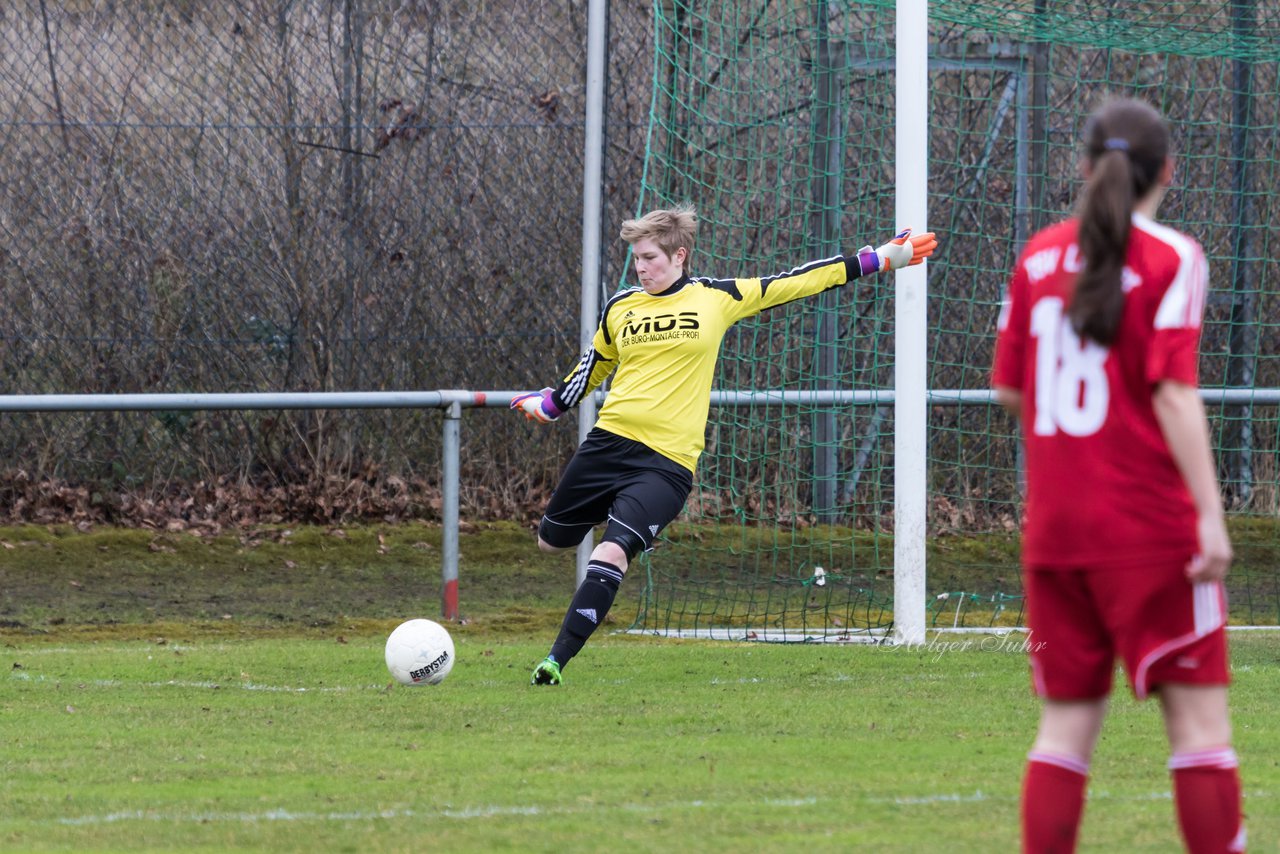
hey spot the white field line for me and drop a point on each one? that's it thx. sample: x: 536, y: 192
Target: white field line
x: 978, y: 796
x: 458, y: 813
x: 497, y: 811
x: 177, y: 683
x: 921, y: 800
x: 141, y: 646
x: 849, y: 637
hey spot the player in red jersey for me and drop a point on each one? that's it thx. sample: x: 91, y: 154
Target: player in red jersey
x: 1124, y: 541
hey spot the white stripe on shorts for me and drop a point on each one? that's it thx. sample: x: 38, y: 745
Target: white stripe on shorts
x: 1208, y: 615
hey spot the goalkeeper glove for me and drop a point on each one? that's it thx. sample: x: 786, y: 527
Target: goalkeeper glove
x: 537, y: 406
x: 902, y: 251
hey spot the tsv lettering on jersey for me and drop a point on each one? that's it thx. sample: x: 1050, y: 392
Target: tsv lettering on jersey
x: 1042, y: 264
x: 1045, y: 263
x: 1072, y: 262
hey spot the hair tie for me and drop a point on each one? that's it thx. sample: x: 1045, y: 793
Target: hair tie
x: 1116, y: 143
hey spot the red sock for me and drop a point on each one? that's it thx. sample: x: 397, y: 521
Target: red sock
x: 1206, y: 791
x: 1052, y: 802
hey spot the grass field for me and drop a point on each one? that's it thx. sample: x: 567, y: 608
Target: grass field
x: 188, y: 729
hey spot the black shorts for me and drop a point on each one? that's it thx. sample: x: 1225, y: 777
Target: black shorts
x: 616, y: 480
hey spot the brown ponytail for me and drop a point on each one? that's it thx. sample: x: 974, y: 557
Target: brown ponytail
x: 1126, y: 144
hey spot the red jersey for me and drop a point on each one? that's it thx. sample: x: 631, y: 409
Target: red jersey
x: 1102, y: 487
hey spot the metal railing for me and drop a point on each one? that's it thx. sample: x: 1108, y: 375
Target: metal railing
x: 452, y: 401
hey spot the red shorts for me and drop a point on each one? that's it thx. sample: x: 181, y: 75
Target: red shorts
x: 1163, y: 627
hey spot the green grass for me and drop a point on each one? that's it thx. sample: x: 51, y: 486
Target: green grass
x: 170, y: 692
x: 289, y: 743
x: 278, y: 578
x: 297, y: 579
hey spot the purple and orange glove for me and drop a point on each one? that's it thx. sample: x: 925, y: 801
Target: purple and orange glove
x: 537, y: 406
x: 902, y: 251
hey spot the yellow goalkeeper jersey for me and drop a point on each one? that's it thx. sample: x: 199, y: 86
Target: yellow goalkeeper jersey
x: 664, y: 347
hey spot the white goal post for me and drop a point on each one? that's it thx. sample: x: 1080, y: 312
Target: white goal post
x: 910, y: 351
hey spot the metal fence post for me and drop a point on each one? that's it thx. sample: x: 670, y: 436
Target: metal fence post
x: 592, y: 206
x: 449, y: 512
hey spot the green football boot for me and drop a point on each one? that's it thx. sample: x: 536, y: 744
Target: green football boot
x: 546, y: 673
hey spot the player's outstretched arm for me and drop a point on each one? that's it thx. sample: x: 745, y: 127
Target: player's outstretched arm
x: 758, y: 294
x: 903, y: 250
x: 537, y: 406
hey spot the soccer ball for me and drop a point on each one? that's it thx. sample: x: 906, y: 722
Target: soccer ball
x: 419, y: 652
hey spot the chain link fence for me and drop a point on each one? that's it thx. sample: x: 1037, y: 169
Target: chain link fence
x: 295, y: 195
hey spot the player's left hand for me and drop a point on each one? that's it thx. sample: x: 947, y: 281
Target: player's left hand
x: 1214, y: 559
x: 906, y: 251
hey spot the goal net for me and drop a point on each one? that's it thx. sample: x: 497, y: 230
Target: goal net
x: 777, y: 121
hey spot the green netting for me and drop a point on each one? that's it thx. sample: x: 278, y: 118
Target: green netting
x: 777, y: 120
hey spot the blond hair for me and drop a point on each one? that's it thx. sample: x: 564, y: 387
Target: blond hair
x: 669, y: 228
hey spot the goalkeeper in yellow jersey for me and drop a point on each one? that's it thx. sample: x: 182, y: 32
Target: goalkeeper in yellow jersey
x: 660, y: 340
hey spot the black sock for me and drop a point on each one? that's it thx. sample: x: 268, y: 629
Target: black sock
x: 587, y: 610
